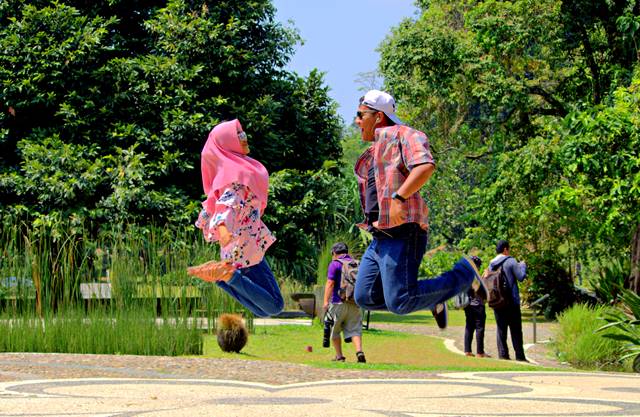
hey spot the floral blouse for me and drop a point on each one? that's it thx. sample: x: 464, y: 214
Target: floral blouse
x: 239, y: 210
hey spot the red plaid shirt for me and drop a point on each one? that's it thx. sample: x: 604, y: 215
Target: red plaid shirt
x: 395, y: 151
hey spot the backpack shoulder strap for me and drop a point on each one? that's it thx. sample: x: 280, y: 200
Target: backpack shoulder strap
x: 495, y: 267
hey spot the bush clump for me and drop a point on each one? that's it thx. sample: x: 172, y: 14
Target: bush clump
x: 578, y: 344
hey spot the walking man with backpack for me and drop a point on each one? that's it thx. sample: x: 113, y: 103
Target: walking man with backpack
x: 390, y: 174
x: 507, y: 308
x: 339, y: 303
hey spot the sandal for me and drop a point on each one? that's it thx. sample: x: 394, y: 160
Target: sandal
x: 338, y: 359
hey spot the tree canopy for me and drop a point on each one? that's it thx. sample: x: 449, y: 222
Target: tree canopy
x: 105, y: 105
x: 532, y: 112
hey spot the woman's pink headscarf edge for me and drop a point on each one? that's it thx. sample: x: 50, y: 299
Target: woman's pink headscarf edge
x: 222, y: 164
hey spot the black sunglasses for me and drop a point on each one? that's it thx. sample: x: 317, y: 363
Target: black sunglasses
x: 359, y: 114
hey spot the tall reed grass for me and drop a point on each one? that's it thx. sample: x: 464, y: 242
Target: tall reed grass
x: 129, y: 331
x: 42, y: 267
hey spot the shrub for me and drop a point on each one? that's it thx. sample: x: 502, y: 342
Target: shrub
x: 625, y: 319
x: 546, y: 276
x: 610, y: 280
x: 577, y: 343
x: 232, y: 333
x: 437, y: 261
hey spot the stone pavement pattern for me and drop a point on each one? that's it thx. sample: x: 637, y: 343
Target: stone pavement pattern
x: 33, y: 384
x: 451, y: 394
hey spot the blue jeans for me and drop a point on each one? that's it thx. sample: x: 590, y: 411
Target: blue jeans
x: 388, y: 277
x: 256, y: 288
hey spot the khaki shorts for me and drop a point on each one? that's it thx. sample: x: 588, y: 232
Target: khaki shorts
x: 347, y: 319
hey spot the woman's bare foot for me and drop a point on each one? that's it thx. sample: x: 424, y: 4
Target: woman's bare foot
x: 213, y: 271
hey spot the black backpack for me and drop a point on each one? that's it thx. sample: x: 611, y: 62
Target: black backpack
x: 348, y: 279
x: 497, y: 286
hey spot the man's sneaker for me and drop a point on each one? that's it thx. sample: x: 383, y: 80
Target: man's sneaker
x: 440, y: 314
x: 361, y: 358
x: 478, y: 285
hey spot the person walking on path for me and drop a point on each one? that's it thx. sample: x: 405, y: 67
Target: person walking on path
x: 237, y: 187
x: 509, y: 317
x: 390, y: 174
x: 346, y: 315
x: 475, y: 319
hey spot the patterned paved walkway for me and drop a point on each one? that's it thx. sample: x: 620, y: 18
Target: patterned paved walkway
x: 461, y: 394
x: 105, y: 385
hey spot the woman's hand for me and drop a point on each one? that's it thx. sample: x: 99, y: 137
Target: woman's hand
x: 225, y: 235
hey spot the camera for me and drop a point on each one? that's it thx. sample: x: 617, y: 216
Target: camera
x: 326, y: 335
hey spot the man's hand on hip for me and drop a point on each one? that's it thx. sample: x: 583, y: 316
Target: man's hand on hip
x: 397, y: 212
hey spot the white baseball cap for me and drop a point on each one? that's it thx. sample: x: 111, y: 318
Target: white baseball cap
x: 381, y: 101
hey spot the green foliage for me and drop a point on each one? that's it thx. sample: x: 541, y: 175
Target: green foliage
x: 600, y: 157
x: 352, y: 148
x: 105, y: 105
x: 101, y: 332
x: 578, y: 343
x: 356, y: 249
x: 626, y: 321
x: 548, y: 277
x: 610, y: 281
x: 438, y: 261
x: 142, y: 264
x: 532, y: 114
x: 302, y: 209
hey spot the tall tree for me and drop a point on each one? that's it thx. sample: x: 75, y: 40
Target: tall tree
x: 502, y: 88
x: 105, y: 105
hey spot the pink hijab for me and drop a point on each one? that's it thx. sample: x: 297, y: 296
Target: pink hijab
x: 223, y: 163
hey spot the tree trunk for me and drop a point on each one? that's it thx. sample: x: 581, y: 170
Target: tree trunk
x: 634, y: 277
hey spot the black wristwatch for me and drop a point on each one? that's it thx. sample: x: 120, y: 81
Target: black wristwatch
x: 397, y: 196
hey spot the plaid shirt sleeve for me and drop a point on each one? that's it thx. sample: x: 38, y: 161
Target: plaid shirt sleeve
x: 415, y: 149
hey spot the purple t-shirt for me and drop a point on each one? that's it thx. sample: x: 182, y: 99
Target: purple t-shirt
x: 334, y: 274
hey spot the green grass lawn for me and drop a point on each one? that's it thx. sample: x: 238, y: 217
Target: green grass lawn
x: 385, y: 350
x: 456, y: 318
